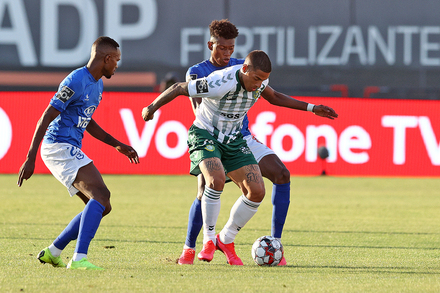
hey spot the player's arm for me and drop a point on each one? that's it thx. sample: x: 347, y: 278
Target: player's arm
x: 282, y: 100
x: 27, y: 169
x: 100, y: 134
x: 177, y: 89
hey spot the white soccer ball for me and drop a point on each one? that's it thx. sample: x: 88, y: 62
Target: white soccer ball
x: 267, y: 251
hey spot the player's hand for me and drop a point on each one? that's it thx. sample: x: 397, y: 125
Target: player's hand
x: 129, y: 152
x: 148, y: 113
x: 26, y: 171
x: 325, y: 112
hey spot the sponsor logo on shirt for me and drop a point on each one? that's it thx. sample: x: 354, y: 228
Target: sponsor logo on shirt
x: 202, y: 86
x: 90, y: 110
x: 65, y: 94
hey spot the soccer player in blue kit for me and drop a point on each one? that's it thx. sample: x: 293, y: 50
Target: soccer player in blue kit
x: 61, y: 128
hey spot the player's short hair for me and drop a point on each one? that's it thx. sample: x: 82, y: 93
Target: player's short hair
x: 223, y: 29
x: 259, y: 60
x: 105, y: 42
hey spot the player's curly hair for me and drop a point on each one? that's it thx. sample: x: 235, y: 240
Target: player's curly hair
x: 223, y: 28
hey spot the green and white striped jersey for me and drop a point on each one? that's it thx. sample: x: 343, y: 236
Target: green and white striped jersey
x: 225, y: 102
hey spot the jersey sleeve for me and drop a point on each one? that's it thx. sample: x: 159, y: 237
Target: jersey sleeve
x: 205, y: 87
x: 192, y: 73
x: 69, y: 90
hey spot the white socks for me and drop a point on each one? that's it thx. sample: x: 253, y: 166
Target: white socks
x: 78, y: 256
x: 210, y: 212
x: 242, y: 211
x: 54, y: 250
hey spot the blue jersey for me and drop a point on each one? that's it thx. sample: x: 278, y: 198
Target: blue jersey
x: 78, y: 96
x: 204, y: 69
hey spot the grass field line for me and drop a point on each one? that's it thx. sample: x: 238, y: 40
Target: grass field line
x: 265, y: 230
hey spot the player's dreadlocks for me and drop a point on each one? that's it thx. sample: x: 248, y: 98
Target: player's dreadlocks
x: 223, y: 28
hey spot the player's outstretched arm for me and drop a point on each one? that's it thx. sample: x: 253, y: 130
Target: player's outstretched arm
x: 100, y: 134
x: 282, y: 100
x: 177, y: 89
x: 27, y: 169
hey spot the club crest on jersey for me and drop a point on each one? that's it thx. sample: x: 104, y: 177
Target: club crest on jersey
x: 210, y: 148
x: 65, y: 94
x: 256, y: 94
x: 202, y: 86
x: 89, y: 111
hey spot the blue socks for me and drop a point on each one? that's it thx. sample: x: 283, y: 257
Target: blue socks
x: 280, y: 201
x: 70, y: 233
x: 90, y: 220
x: 195, y: 223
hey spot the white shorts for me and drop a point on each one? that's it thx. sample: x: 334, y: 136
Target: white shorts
x: 64, y: 160
x: 258, y: 149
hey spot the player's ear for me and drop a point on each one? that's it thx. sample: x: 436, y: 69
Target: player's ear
x: 107, y: 58
x: 210, y: 44
x: 245, y: 68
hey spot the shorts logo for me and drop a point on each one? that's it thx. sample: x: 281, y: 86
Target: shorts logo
x: 245, y: 150
x: 210, y: 148
x: 202, y: 86
x: 193, y: 76
x: 65, y: 94
x: 74, y: 152
x: 89, y: 111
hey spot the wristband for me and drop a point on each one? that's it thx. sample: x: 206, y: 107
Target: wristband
x: 310, y: 107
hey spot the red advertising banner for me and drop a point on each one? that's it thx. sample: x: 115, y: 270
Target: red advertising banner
x: 370, y: 138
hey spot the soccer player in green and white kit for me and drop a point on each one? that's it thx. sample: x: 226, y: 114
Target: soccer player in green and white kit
x: 216, y: 144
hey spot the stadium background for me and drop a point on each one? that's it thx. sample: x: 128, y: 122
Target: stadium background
x: 375, y: 62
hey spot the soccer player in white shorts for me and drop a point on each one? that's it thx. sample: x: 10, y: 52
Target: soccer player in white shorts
x: 61, y: 128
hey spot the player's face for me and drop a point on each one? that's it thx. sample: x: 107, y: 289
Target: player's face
x: 252, y: 79
x: 221, y: 51
x: 111, y: 63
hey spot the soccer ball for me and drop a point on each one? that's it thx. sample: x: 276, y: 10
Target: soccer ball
x: 267, y: 251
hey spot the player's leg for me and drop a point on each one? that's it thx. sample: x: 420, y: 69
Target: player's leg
x: 195, y: 223
x: 213, y: 171
x: 90, y: 183
x: 273, y: 169
x: 61, y: 159
x: 250, y: 181
x: 69, y: 233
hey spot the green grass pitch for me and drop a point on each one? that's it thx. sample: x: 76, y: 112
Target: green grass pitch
x: 341, y: 235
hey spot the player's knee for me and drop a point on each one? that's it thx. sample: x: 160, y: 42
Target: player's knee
x: 102, y: 195
x: 257, y: 193
x: 216, y: 183
x: 281, y: 177
x: 107, y: 210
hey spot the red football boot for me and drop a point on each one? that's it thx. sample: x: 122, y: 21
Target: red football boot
x: 207, y: 253
x: 229, y: 251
